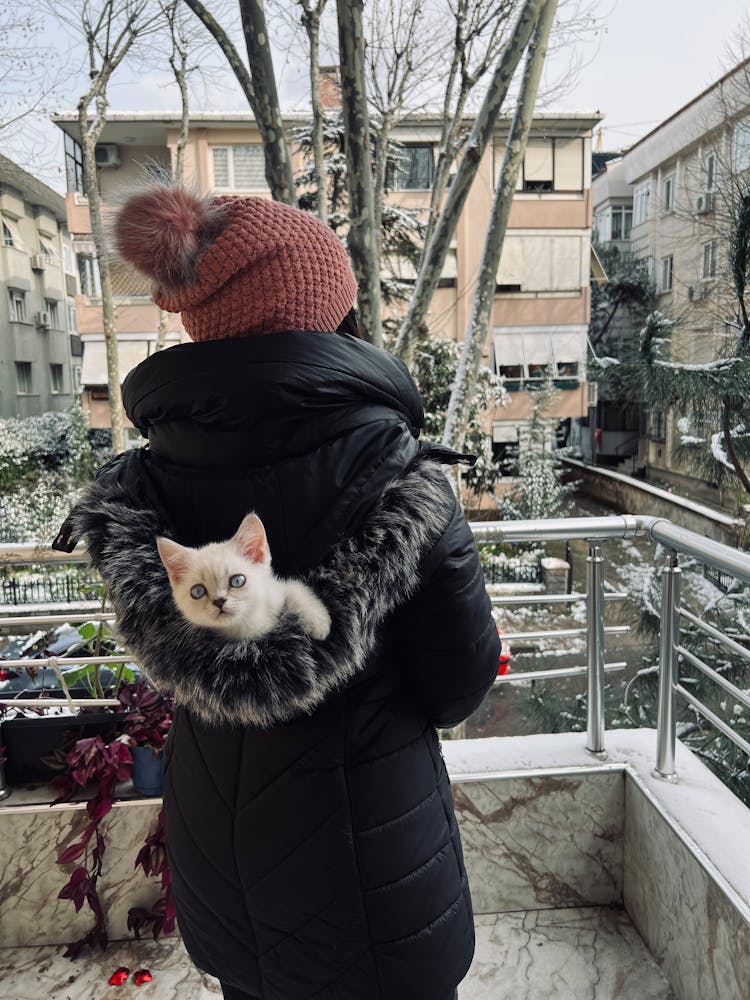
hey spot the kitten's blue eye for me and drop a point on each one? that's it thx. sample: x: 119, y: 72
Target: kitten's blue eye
x: 198, y: 591
x: 238, y: 580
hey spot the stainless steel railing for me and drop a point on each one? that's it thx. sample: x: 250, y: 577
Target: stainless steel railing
x: 676, y: 541
x: 594, y: 530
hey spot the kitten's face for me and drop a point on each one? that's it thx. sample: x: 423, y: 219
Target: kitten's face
x: 219, y: 584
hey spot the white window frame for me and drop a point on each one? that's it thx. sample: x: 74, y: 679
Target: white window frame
x: 24, y: 387
x: 52, y: 307
x: 709, y: 259
x: 230, y: 147
x: 711, y: 170
x: 667, y: 273
x: 741, y: 145
x: 56, y: 387
x: 72, y: 322
x: 17, y: 305
x: 46, y: 249
x: 9, y: 237
x: 669, y: 192
x: 641, y: 202
x: 622, y: 211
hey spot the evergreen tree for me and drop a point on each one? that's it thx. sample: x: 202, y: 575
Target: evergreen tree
x: 434, y: 370
x: 539, y: 491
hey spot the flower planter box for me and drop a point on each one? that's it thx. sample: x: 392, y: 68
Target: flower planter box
x: 27, y: 740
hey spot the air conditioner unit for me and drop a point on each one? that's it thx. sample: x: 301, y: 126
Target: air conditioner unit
x: 38, y: 261
x: 704, y: 203
x: 107, y: 154
x: 42, y: 319
x: 592, y: 393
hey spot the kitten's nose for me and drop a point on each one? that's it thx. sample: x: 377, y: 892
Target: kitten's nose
x: 220, y: 602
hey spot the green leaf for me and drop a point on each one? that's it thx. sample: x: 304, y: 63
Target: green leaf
x: 87, y: 631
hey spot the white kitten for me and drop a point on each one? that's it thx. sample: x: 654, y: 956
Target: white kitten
x: 230, y: 586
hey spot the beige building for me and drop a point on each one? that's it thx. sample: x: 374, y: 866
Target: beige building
x: 542, y: 303
x: 40, y: 352
x: 668, y: 200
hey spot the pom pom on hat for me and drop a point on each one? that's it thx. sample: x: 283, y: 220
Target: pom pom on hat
x: 236, y: 266
x: 165, y: 231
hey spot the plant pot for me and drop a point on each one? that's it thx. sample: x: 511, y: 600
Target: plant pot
x: 148, y: 771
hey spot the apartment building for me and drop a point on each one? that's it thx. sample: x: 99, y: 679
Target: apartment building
x: 669, y: 201
x: 40, y: 352
x: 542, y: 303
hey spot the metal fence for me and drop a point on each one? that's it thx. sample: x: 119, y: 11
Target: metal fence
x: 676, y: 542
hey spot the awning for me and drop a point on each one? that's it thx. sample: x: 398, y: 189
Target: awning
x: 94, y: 368
x: 598, y: 274
x: 504, y: 432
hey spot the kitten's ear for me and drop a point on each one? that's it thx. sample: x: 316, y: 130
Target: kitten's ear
x: 176, y: 558
x: 250, y: 539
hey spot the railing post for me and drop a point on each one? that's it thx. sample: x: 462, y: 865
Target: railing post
x: 595, y: 648
x: 669, y: 638
x: 4, y: 789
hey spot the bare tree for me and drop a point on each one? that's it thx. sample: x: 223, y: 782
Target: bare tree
x: 109, y: 30
x: 311, y: 18
x: 413, y: 327
x: 515, y: 146
x: 363, y: 245
x: 178, y: 60
x: 259, y: 87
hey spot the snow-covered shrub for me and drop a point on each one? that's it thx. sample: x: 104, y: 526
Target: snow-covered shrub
x: 500, y: 566
x: 34, y: 513
x: 434, y: 370
x: 52, y: 443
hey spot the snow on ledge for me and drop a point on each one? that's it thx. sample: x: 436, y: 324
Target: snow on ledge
x: 708, y: 818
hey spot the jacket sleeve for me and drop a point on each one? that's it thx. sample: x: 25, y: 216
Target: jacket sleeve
x: 447, y: 636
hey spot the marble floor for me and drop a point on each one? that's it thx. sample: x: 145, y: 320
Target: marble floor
x: 590, y: 953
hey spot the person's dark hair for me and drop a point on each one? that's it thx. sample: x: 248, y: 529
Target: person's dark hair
x: 350, y: 324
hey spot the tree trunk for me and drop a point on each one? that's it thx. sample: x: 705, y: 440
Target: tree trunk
x: 311, y: 22
x: 275, y: 149
x: 267, y: 111
x: 363, y: 243
x: 413, y: 327
x: 481, y: 318
x: 109, y: 315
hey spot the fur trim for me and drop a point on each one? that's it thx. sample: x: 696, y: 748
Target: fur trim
x: 164, y: 231
x: 286, y: 673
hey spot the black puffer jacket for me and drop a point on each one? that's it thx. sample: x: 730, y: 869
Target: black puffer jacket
x: 319, y: 857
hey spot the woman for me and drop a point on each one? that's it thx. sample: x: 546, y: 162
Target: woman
x: 315, y: 853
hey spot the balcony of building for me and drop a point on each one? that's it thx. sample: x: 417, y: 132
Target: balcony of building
x: 605, y: 864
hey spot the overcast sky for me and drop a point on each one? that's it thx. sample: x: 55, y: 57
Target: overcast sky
x: 652, y: 57
x: 649, y: 59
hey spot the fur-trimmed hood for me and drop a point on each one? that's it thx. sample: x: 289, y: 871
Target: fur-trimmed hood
x: 286, y: 673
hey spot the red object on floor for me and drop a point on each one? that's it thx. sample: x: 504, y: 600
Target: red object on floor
x: 119, y: 976
x: 142, y: 976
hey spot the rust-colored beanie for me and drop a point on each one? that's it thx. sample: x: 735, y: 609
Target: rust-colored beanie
x: 236, y: 266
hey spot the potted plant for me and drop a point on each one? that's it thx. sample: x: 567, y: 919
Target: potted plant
x: 146, y: 724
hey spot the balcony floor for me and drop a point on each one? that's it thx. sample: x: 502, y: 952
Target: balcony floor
x: 593, y: 953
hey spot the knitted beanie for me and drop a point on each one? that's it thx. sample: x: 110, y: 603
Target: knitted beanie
x: 236, y: 266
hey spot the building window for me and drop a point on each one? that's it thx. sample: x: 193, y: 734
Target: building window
x: 23, y: 377
x: 711, y: 172
x: 17, y: 305
x: 669, y: 193
x: 641, y: 197
x: 88, y: 272
x: 567, y: 369
x: 414, y: 169
x: 74, y: 165
x: 239, y: 168
x: 46, y: 250
x: 658, y: 426
x: 56, y: 378
x: 75, y: 373
x: 709, y: 259
x: 667, y: 264
x: 742, y: 145
x: 54, y: 313
x: 72, y: 325
x: 622, y: 222
x: 67, y: 256
x: 8, y: 240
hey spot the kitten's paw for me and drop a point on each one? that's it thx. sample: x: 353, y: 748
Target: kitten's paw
x: 318, y: 623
